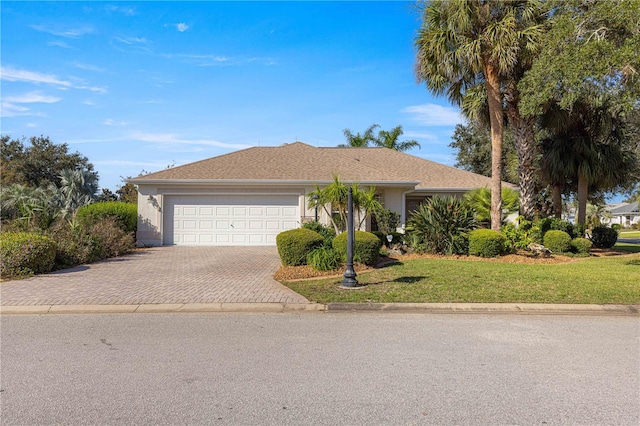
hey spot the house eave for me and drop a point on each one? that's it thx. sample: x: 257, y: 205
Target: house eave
x: 266, y: 182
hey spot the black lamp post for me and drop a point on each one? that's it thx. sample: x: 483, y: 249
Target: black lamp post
x: 349, y: 280
x: 315, y: 198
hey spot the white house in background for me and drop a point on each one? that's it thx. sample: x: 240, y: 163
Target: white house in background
x: 625, y: 214
x: 248, y: 197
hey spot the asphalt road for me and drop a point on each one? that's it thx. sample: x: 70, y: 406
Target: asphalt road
x: 301, y: 369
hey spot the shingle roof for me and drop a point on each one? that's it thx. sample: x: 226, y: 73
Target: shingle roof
x: 301, y: 162
x: 625, y: 208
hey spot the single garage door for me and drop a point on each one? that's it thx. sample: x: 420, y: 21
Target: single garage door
x: 228, y: 220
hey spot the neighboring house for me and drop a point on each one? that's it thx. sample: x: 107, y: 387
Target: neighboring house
x: 625, y: 214
x: 247, y: 197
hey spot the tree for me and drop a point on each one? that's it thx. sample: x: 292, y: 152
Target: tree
x: 472, y: 144
x: 591, y: 147
x: 479, y: 200
x: 128, y: 193
x: 389, y: 139
x: 77, y: 188
x: 359, y: 140
x: 39, y: 163
x: 334, y: 197
x: 471, y: 50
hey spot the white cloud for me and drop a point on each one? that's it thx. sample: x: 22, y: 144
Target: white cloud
x: 112, y: 122
x: 89, y: 102
x: 128, y: 11
x: 69, y: 32
x: 12, y: 74
x: 58, y: 43
x: 182, y: 27
x: 32, y: 97
x: 132, y: 40
x: 8, y: 109
x: 87, y: 67
x: 434, y: 115
x: 173, y: 139
x: 31, y: 125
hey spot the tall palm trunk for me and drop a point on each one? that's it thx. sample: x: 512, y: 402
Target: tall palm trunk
x: 497, y: 129
x: 526, y: 148
x: 556, y: 195
x: 583, y: 192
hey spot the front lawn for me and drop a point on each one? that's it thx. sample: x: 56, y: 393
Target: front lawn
x: 629, y: 234
x: 595, y: 280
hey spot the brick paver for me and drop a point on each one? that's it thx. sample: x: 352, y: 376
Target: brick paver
x: 160, y: 275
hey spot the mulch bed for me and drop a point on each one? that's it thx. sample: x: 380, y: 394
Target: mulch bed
x: 306, y: 272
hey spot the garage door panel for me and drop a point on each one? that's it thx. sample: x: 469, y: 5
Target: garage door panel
x: 229, y: 219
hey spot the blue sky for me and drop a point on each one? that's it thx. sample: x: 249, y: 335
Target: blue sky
x: 141, y: 85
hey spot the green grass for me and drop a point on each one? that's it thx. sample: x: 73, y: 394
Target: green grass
x: 605, y: 280
x: 631, y: 248
x: 629, y: 234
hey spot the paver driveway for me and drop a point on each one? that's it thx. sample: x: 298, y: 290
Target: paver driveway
x: 160, y: 275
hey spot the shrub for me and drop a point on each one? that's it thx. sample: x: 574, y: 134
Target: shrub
x: 85, y: 244
x: 387, y: 221
x: 294, y: 245
x: 397, y: 237
x: 557, y: 241
x: 327, y: 233
x: 486, y: 243
x: 366, y: 249
x: 553, y: 223
x: 125, y: 214
x: 616, y: 226
x: 324, y: 259
x: 604, y: 237
x: 461, y: 244
x: 581, y: 245
x: 438, y: 221
x: 23, y: 253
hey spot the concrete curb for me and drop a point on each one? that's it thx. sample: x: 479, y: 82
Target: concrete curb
x: 488, y: 308
x: 162, y: 308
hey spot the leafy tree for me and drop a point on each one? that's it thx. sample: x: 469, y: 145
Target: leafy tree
x: 334, y: 197
x: 128, y: 193
x: 389, y: 139
x: 107, y: 195
x: 473, y: 51
x: 38, y: 163
x: 359, y: 140
x: 472, y: 143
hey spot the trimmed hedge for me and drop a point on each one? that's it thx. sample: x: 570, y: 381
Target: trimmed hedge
x: 126, y: 214
x: 581, y: 245
x: 294, y: 245
x: 557, y: 241
x: 604, y: 237
x: 23, y: 253
x: 366, y: 249
x: 486, y: 243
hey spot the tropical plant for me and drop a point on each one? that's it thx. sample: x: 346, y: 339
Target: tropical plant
x: 387, y: 220
x: 77, y: 188
x: 479, y: 200
x: 474, y: 52
x: 359, y: 140
x: 29, y: 206
x: 334, y: 197
x: 439, y: 221
x: 389, y: 139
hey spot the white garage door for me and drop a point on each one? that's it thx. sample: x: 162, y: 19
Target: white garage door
x: 228, y: 220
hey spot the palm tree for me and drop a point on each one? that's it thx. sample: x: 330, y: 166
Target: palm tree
x: 358, y: 140
x: 389, y: 139
x: 77, y: 188
x: 469, y: 49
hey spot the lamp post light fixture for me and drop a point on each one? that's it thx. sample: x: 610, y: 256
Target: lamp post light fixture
x: 315, y: 198
x: 349, y: 280
x: 389, y: 238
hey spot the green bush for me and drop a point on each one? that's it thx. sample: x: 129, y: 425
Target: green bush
x: 557, y: 241
x: 581, y: 245
x: 327, y: 232
x: 366, y: 250
x: 604, y: 237
x: 486, y: 243
x: 438, y: 221
x: 554, y: 224
x: 23, y: 253
x: 324, y: 259
x: 616, y: 226
x: 397, y: 237
x: 294, y: 245
x: 461, y: 244
x: 125, y: 214
x: 85, y: 244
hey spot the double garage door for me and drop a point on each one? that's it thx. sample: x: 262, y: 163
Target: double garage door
x: 228, y: 220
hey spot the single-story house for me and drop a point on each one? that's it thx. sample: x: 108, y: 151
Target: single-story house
x: 248, y: 197
x: 625, y: 214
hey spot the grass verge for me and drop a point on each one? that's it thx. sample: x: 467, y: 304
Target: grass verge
x: 631, y: 248
x: 606, y: 280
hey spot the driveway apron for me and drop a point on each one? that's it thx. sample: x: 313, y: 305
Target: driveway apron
x: 160, y: 275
